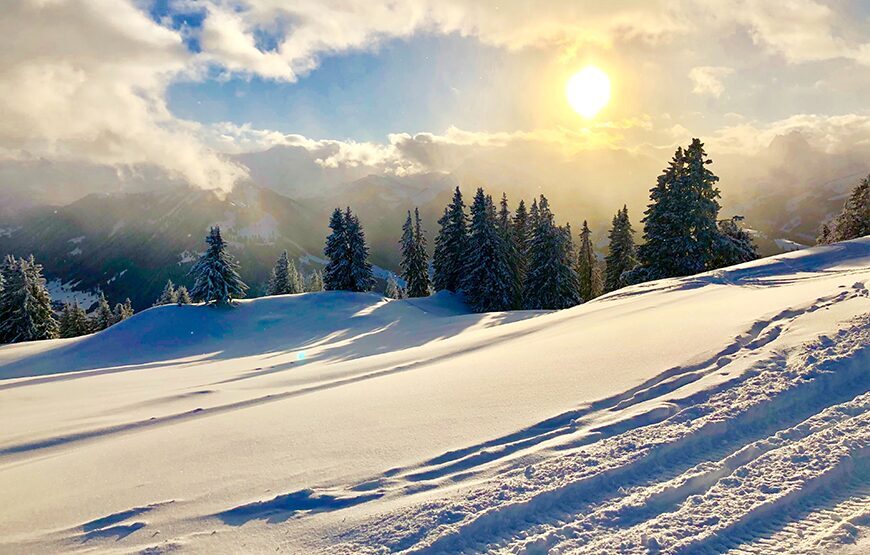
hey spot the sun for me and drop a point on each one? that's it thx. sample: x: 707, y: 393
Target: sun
x: 588, y: 91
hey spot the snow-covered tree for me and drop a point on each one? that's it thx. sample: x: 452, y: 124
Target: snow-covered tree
x: 735, y: 244
x: 315, y: 282
x: 622, y: 254
x: 25, y: 305
x: 415, y: 262
x: 182, y: 296
x: 122, y: 311
x: 680, y: 227
x: 487, y: 278
x: 73, y: 320
x: 586, y: 263
x: 102, y: 317
x: 216, y: 277
x: 285, y: 279
x: 361, y: 276
x: 168, y: 296
x: 336, y: 274
x: 451, y: 246
x: 551, y: 281
x: 393, y: 291
x: 853, y: 221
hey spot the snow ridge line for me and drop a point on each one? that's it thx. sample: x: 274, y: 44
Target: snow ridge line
x: 519, y: 498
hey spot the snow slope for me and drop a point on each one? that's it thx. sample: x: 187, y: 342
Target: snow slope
x: 725, y: 411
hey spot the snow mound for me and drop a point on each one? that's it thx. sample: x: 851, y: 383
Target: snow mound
x: 721, y: 412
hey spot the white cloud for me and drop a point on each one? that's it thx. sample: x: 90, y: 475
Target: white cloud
x: 86, y: 79
x: 707, y: 80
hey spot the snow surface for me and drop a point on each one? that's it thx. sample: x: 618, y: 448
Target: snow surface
x: 725, y: 411
x: 62, y: 293
x: 787, y: 245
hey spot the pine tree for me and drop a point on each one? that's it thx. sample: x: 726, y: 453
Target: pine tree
x: 315, y: 282
x: 102, y: 317
x: 168, y: 296
x: 551, y: 281
x: 360, y: 270
x: 680, y: 227
x: 586, y: 263
x: 73, y: 320
x: 451, y: 246
x: 25, y: 305
x: 295, y: 279
x: 735, y: 244
x: 598, y: 279
x: 279, y: 283
x: 519, y: 237
x: 182, y: 295
x: 853, y: 221
x: 393, y: 291
x: 621, y: 257
x: 336, y: 275
x: 487, y: 278
x: 415, y: 265
x: 216, y: 277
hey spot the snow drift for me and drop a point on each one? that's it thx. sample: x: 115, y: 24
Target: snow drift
x: 721, y: 411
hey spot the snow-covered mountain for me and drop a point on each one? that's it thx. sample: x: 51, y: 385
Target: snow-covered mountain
x: 717, y: 412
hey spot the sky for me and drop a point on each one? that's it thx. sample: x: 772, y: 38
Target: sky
x: 182, y: 87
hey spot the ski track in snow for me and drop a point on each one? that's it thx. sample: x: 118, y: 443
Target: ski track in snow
x: 762, y: 445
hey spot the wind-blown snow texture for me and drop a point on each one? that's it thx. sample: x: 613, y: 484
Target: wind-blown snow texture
x: 721, y: 412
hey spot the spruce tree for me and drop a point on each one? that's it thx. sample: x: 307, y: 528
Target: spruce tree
x: 182, y: 295
x: 853, y: 221
x: 392, y: 291
x: 451, y: 246
x: 680, y: 227
x: 360, y: 270
x: 315, y: 282
x: 168, y: 296
x: 487, y: 277
x: 621, y: 257
x: 102, y: 317
x: 296, y: 284
x: 735, y: 244
x: 279, y: 282
x: 586, y: 263
x: 336, y: 274
x: 25, y: 305
x: 73, y: 320
x: 122, y: 311
x: 415, y: 264
x: 216, y: 277
x: 551, y: 281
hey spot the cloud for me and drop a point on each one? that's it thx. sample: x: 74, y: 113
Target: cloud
x: 86, y: 80
x: 707, y: 80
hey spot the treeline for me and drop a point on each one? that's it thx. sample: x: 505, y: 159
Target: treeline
x: 26, y: 312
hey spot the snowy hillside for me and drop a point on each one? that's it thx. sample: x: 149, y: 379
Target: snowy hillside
x: 718, y: 412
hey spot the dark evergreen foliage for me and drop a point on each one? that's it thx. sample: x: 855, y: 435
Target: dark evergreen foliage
x: 451, y: 246
x: 216, y: 273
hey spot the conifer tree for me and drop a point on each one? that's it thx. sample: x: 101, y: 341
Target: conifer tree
x: 122, y: 311
x: 735, y: 244
x: 586, y: 263
x: 25, y: 305
x: 415, y: 264
x: 519, y: 237
x: 216, y: 277
x: 168, y: 296
x: 315, y: 282
x: 336, y: 274
x: 392, y: 291
x: 296, y: 282
x: 360, y: 270
x: 680, y: 227
x: 102, y: 317
x: 551, y: 281
x: 451, y: 246
x: 487, y: 278
x: 279, y: 282
x: 853, y: 221
x: 182, y: 296
x: 621, y: 257
x: 73, y: 320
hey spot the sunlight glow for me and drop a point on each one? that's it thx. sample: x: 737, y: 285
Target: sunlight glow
x: 588, y: 91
